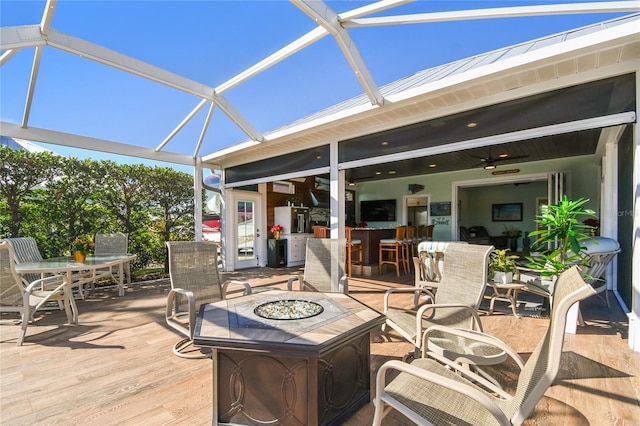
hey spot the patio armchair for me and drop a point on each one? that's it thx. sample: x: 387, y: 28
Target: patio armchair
x: 195, y: 280
x: 324, y: 266
x: 428, y: 392
x: 25, y: 250
x: 455, y: 304
x: 25, y: 298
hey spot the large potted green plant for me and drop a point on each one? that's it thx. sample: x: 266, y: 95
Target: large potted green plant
x: 562, y: 231
x: 502, y: 266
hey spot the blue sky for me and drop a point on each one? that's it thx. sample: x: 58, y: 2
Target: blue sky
x: 210, y: 42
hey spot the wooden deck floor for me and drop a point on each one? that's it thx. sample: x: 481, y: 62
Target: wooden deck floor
x: 116, y: 366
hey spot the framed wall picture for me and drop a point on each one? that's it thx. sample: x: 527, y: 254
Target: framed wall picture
x: 506, y: 212
x: 440, y: 209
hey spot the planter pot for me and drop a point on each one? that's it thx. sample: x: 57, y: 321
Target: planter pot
x: 276, y: 235
x: 503, y: 277
x: 79, y: 256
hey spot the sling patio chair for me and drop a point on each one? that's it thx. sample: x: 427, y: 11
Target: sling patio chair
x: 24, y: 297
x: 428, y: 392
x: 195, y: 280
x: 456, y: 302
x: 324, y: 266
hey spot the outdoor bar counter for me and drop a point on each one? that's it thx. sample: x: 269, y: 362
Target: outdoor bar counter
x: 370, y: 238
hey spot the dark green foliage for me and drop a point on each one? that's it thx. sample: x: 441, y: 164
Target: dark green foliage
x: 54, y: 199
x: 562, y: 228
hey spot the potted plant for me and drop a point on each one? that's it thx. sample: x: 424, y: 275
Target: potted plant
x: 81, y: 247
x: 560, y: 228
x: 502, y: 266
x: 512, y: 233
x: 277, y: 229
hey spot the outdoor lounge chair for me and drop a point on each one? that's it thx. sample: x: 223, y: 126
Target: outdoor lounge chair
x: 195, y: 280
x: 324, y: 266
x: 25, y: 298
x: 428, y: 392
x: 455, y: 304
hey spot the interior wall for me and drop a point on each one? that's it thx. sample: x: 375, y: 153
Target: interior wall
x: 581, y: 181
x: 478, y: 209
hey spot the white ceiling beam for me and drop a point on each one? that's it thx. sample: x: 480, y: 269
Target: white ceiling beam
x: 47, y: 16
x: 45, y: 25
x: 328, y: 19
x: 372, y: 8
x: 294, y: 47
x: 182, y: 124
x: 94, y: 52
x: 204, y: 129
x: 500, y: 12
x: 21, y: 37
x: 35, y: 67
x: 7, y: 55
x: 101, y: 145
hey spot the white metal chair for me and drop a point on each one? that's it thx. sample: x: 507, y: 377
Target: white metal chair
x: 114, y: 244
x: 195, y: 280
x: 324, y: 266
x: 19, y: 295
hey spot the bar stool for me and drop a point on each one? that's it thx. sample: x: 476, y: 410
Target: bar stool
x: 319, y: 231
x: 353, y: 246
x: 429, y: 234
x: 391, y: 250
x: 410, y: 246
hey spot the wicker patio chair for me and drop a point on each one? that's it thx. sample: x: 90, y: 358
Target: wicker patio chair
x: 195, y: 280
x: 324, y: 266
x: 455, y: 304
x: 427, y: 392
x: 25, y: 298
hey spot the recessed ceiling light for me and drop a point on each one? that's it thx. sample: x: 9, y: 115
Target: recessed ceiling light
x: 378, y: 173
x: 432, y: 165
x: 503, y: 155
x: 490, y: 166
x: 392, y: 172
x: 384, y: 143
x: 472, y: 124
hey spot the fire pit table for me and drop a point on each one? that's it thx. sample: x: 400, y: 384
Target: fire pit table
x: 288, y: 357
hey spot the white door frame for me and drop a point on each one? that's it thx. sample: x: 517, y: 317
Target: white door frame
x: 231, y: 228
x: 455, y: 185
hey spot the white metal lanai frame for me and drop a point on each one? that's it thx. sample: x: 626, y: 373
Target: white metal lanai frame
x: 42, y: 35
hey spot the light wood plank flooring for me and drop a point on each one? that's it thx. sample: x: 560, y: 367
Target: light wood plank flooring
x: 116, y: 366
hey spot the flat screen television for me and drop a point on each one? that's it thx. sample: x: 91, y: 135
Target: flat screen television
x: 378, y: 210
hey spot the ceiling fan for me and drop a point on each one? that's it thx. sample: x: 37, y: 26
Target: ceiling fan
x: 489, y: 162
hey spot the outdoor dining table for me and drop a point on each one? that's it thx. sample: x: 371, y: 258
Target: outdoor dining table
x: 77, y: 274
